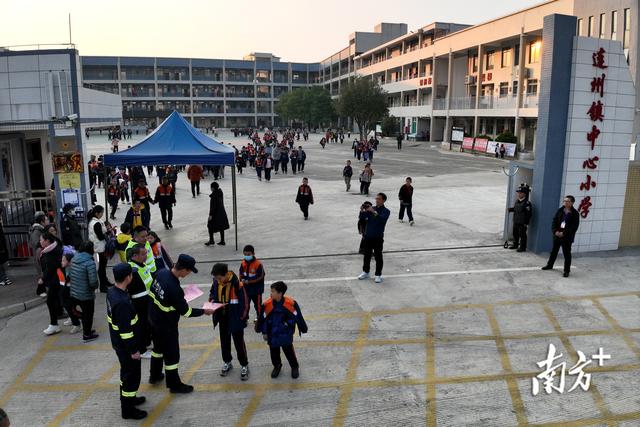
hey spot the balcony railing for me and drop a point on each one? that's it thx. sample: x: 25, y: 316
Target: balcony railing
x: 530, y: 101
x: 463, y: 103
x: 440, y: 104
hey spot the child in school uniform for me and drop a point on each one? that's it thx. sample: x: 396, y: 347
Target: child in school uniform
x: 122, y: 240
x: 280, y: 316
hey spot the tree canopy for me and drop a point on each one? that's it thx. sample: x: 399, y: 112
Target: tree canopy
x: 364, y: 101
x: 309, y: 105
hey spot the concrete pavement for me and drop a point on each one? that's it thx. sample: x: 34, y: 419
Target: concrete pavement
x: 451, y: 337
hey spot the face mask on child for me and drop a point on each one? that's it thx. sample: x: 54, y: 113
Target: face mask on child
x: 248, y: 258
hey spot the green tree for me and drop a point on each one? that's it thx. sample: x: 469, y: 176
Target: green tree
x: 389, y: 125
x: 311, y: 106
x: 364, y: 101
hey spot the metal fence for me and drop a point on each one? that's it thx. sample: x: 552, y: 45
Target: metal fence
x: 17, y: 209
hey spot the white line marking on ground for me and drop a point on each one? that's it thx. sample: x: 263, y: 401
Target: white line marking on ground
x: 389, y: 276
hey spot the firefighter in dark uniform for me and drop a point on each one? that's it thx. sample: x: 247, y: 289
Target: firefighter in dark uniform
x: 123, y: 328
x: 139, y: 292
x: 166, y: 200
x: 164, y: 313
x: 522, y: 210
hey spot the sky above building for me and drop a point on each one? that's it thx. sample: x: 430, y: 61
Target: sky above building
x: 295, y: 30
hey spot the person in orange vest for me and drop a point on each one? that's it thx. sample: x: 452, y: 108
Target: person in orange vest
x: 252, y: 277
x: 280, y: 316
x: 232, y: 318
x: 166, y: 200
x: 195, y: 175
x: 113, y: 196
x: 141, y: 193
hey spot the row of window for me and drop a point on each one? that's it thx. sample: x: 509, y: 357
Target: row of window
x: 509, y: 56
x: 214, y: 107
x: 91, y: 72
x: 198, y: 91
x: 613, y: 27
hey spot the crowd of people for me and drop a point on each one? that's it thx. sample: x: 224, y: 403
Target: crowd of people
x: 146, y: 300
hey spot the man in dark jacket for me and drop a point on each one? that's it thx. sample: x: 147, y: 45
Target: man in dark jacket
x: 376, y: 219
x: 71, y: 233
x: 280, y: 316
x: 164, y: 314
x: 166, y: 200
x: 218, y: 221
x: 123, y: 329
x: 232, y: 318
x: 304, y: 197
x: 347, y: 173
x: 399, y: 138
x: 522, y: 211
x: 564, y: 227
x: 406, y: 201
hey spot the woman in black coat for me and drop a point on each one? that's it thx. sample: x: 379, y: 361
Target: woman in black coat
x: 50, y: 261
x: 217, y: 221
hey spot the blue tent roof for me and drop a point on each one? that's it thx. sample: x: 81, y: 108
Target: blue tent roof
x: 174, y: 142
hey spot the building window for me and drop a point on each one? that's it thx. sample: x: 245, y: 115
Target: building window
x: 489, y: 60
x: 516, y: 55
x: 603, y: 22
x: 614, y: 25
x: 532, y: 87
x: 504, y: 89
x: 590, y: 27
x: 505, y: 60
x: 514, y: 91
x: 534, y: 52
x: 626, y: 35
x: 580, y: 29
x: 473, y: 63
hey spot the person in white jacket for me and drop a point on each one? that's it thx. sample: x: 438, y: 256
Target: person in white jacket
x: 98, y: 235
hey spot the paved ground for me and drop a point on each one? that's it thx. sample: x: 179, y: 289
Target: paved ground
x: 450, y: 338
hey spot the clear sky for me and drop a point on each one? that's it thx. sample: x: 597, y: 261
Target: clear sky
x: 296, y: 30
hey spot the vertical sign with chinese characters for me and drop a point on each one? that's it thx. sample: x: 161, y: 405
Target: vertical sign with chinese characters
x: 599, y: 134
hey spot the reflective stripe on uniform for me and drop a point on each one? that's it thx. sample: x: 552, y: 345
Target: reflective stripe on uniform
x: 188, y: 313
x: 170, y: 367
x: 134, y: 320
x: 126, y: 335
x: 139, y: 295
x: 156, y: 355
x: 160, y: 306
x: 233, y: 301
x: 114, y: 327
x: 128, y: 393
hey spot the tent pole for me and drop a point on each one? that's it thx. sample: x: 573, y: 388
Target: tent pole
x: 106, y: 191
x: 235, y: 202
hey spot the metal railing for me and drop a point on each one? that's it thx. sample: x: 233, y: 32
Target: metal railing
x: 440, y: 104
x: 530, y: 101
x: 17, y: 209
x: 463, y: 103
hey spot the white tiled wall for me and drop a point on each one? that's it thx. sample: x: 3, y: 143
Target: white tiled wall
x: 600, y: 231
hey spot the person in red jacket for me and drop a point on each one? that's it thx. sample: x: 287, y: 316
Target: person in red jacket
x: 195, y: 175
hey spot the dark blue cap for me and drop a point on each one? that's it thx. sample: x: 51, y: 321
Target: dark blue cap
x: 187, y: 262
x: 120, y: 271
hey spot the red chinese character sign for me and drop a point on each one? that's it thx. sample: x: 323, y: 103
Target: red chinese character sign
x: 598, y: 140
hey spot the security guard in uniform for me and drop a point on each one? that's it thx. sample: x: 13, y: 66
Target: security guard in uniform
x: 164, y: 313
x: 522, y: 210
x: 123, y: 328
x: 139, y: 292
x: 140, y: 234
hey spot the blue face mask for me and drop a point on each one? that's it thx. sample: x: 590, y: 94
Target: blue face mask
x: 248, y: 258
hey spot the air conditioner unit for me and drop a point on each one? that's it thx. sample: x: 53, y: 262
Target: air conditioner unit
x: 526, y: 72
x: 469, y: 80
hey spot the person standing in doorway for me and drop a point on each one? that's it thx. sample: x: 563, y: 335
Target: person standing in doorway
x: 564, y: 227
x: 406, y: 201
x: 304, y: 197
x: 376, y: 219
x: 522, y: 211
x: 347, y: 173
x: 218, y: 221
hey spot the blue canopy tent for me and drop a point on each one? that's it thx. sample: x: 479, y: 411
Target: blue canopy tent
x: 176, y: 142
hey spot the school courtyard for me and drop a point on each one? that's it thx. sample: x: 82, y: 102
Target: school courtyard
x: 451, y: 338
